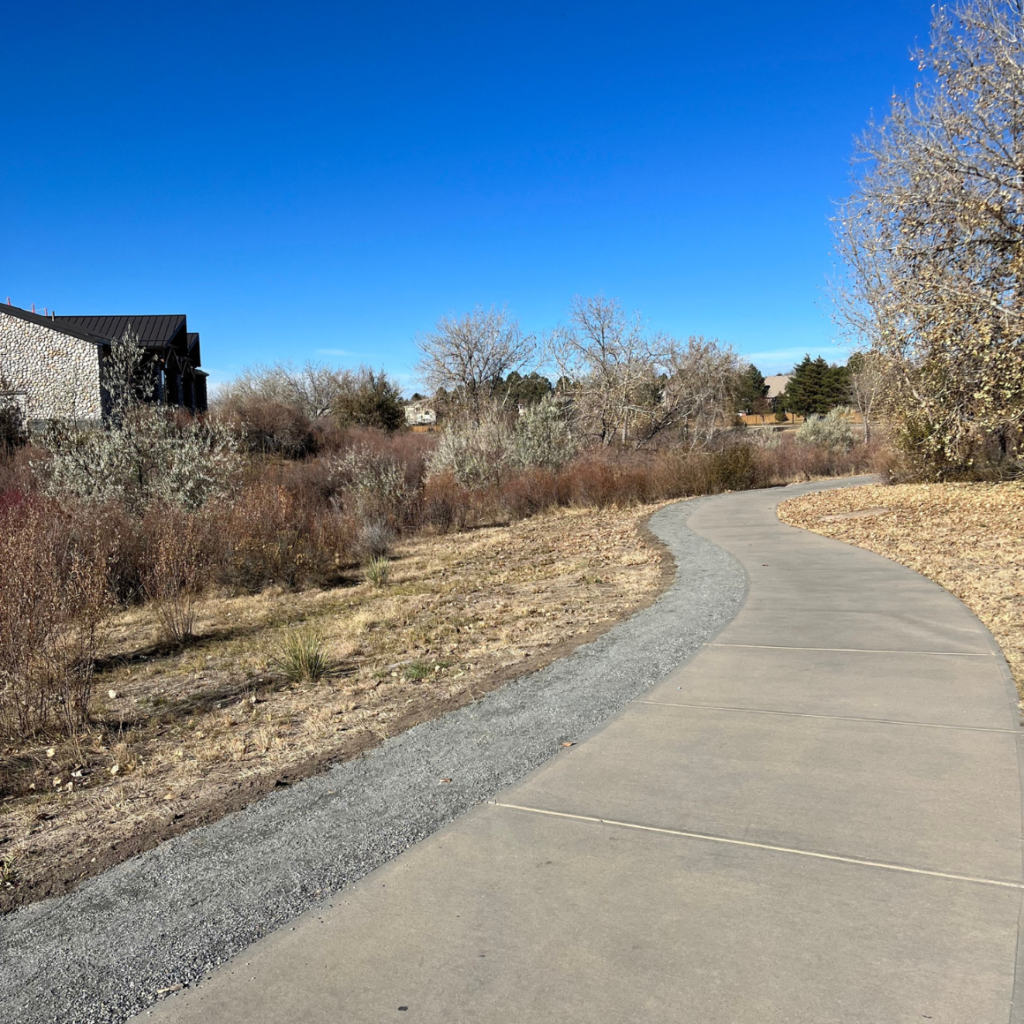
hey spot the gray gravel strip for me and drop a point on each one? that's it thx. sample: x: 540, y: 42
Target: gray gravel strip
x: 165, y: 918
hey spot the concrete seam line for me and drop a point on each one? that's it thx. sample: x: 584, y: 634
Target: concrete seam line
x: 764, y: 846
x: 855, y: 650
x: 831, y: 718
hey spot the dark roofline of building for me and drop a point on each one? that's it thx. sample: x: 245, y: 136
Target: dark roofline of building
x: 154, y: 330
x: 53, y: 324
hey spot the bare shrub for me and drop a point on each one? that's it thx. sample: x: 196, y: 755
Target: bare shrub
x: 17, y: 472
x: 527, y: 493
x: 53, y: 600
x: 444, y: 504
x: 13, y: 429
x: 176, y: 573
x: 374, y: 539
x: 270, y: 535
x: 266, y: 426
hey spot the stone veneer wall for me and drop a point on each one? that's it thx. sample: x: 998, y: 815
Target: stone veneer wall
x: 59, y: 373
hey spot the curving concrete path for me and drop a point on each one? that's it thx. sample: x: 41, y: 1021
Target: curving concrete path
x: 816, y: 819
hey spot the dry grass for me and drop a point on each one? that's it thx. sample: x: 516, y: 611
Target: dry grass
x: 967, y: 537
x: 181, y: 735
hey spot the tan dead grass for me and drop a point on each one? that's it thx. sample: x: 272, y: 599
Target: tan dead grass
x: 967, y: 537
x: 180, y: 737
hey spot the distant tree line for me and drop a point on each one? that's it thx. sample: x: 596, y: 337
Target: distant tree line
x: 603, y: 374
x: 615, y: 382
x: 284, y: 409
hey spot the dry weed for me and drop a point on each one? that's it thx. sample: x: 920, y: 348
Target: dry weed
x: 184, y: 733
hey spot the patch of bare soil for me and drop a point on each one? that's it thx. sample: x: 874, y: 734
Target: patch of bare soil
x: 181, y: 737
x: 967, y: 537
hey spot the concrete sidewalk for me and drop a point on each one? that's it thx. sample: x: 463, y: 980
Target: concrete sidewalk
x: 817, y: 819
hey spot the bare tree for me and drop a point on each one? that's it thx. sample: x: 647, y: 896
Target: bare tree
x: 469, y: 355
x: 703, y: 377
x: 607, y: 365
x: 867, y: 382
x: 312, y: 389
x: 629, y: 386
x: 933, y: 240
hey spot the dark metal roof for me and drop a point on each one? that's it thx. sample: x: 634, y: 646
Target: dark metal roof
x: 153, y: 330
x: 55, y: 324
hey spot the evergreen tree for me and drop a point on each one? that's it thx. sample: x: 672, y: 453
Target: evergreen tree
x: 836, y: 389
x: 526, y: 391
x: 751, y: 390
x: 375, y: 401
x: 815, y: 387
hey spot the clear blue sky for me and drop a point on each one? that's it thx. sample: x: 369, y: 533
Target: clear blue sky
x: 324, y: 180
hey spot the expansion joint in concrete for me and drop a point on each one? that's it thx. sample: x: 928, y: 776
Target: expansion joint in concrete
x: 769, y: 847
x: 857, y: 650
x: 831, y: 718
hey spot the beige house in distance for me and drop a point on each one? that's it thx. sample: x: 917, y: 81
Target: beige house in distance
x: 776, y: 385
x: 421, y: 415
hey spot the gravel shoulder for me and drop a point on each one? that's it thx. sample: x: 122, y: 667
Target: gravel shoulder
x: 165, y: 918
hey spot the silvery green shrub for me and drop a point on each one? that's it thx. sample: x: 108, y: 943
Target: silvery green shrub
x: 541, y: 437
x: 476, y: 454
x: 766, y: 440
x: 140, y: 455
x: 831, y: 431
x: 374, y: 483
x: 142, y: 458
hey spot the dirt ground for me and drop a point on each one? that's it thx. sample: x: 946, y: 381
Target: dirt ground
x: 967, y: 537
x: 181, y: 737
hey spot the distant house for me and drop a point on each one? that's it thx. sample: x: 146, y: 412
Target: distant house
x: 421, y: 415
x: 52, y: 364
x: 776, y: 385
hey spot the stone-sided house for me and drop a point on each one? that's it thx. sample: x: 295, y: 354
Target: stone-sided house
x: 51, y: 364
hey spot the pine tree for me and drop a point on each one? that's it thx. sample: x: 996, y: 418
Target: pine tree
x: 375, y: 401
x: 836, y: 390
x: 751, y: 390
x: 815, y: 387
